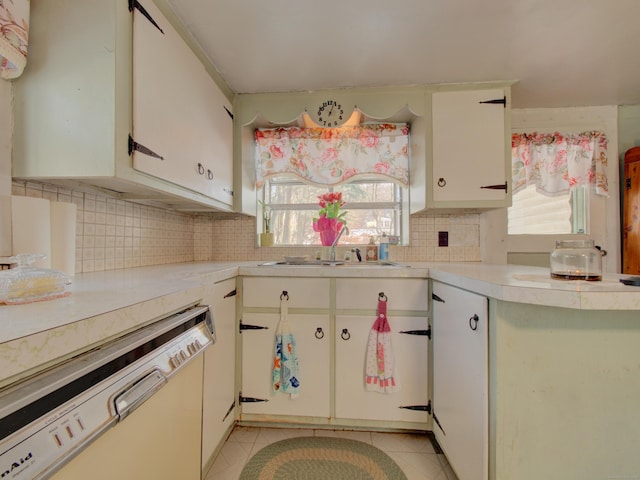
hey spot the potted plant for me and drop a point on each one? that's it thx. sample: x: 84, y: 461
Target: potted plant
x: 266, y: 237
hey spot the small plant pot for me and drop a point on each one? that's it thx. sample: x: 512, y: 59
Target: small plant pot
x: 266, y: 239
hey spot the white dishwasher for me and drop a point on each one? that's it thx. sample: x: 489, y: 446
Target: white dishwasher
x: 131, y: 409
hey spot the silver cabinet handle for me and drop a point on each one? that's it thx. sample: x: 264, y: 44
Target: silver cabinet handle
x: 137, y: 393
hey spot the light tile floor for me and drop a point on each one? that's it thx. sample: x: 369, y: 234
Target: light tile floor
x: 413, y: 452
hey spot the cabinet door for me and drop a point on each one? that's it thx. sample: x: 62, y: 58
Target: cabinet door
x: 460, y: 379
x: 159, y: 440
x: 219, y: 372
x: 470, y: 148
x: 312, y: 346
x: 178, y: 112
x: 411, y: 366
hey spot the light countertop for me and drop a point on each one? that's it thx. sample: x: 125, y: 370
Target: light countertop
x: 104, y: 305
x: 533, y: 285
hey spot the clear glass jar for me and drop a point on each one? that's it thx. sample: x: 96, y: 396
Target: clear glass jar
x: 576, y: 260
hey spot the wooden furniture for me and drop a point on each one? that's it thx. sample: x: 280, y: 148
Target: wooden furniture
x: 631, y: 212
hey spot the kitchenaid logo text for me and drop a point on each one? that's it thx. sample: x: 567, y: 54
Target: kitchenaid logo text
x: 22, y: 462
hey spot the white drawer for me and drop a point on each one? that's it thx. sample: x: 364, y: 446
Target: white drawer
x: 401, y: 293
x: 303, y: 292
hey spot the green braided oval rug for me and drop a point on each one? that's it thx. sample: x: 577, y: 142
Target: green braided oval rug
x: 321, y: 458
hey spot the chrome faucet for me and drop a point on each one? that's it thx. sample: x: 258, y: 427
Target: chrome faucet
x: 332, y: 256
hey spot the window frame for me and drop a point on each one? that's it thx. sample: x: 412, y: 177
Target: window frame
x: 400, y: 193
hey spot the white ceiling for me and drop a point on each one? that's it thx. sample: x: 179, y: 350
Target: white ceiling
x: 560, y: 52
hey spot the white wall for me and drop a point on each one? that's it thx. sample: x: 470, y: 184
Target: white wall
x: 6, y: 127
x: 628, y: 128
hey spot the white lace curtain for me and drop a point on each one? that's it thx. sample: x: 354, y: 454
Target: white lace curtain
x: 556, y: 163
x: 330, y: 156
x: 14, y: 36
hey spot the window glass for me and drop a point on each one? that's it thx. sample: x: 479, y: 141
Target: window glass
x: 374, y: 207
x: 533, y: 213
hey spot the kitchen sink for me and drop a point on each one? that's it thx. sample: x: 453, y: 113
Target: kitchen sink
x: 332, y: 263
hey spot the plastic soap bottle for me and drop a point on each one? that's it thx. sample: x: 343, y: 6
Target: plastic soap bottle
x: 383, y: 251
x: 372, y: 251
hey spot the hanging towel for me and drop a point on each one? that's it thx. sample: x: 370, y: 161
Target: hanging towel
x: 379, y: 369
x: 285, y: 362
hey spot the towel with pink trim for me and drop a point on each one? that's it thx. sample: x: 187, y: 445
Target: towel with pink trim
x: 379, y: 369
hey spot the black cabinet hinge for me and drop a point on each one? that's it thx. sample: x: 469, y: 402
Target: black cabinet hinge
x: 233, y: 405
x: 419, y: 408
x: 242, y: 399
x: 423, y: 333
x: 496, y: 101
x: 244, y: 326
x: 433, y: 414
x: 134, y: 4
x: 435, y: 419
x: 627, y: 183
x: 138, y: 147
x: 499, y: 186
x: 436, y: 298
x: 232, y: 293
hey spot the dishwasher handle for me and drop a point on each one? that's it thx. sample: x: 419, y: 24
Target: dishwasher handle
x: 138, y: 392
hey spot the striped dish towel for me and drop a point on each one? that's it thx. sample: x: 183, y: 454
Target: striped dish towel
x: 379, y: 369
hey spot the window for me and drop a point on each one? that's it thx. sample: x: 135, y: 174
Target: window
x: 553, y: 176
x: 533, y: 213
x: 367, y: 163
x: 375, y: 207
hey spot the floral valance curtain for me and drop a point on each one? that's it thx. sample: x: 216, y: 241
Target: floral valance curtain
x: 14, y: 36
x: 330, y: 156
x: 556, y: 163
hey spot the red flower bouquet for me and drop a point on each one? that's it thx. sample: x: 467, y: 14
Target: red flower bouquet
x: 331, y: 219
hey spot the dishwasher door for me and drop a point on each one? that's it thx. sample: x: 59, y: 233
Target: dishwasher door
x: 159, y: 440
x: 125, y: 409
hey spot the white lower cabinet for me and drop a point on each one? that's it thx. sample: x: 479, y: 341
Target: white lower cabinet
x: 219, y: 375
x: 460, y: 379
x: 258, y: 349
x: 331, y: 320
x: 352, y: 400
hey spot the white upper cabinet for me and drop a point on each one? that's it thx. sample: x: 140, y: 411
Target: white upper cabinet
x: 469, y: 146
x: 468, y: 161
x: 75, y: 106
x: 179, y: 113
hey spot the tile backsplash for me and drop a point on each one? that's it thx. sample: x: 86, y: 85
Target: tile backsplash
x: 113, y: 234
